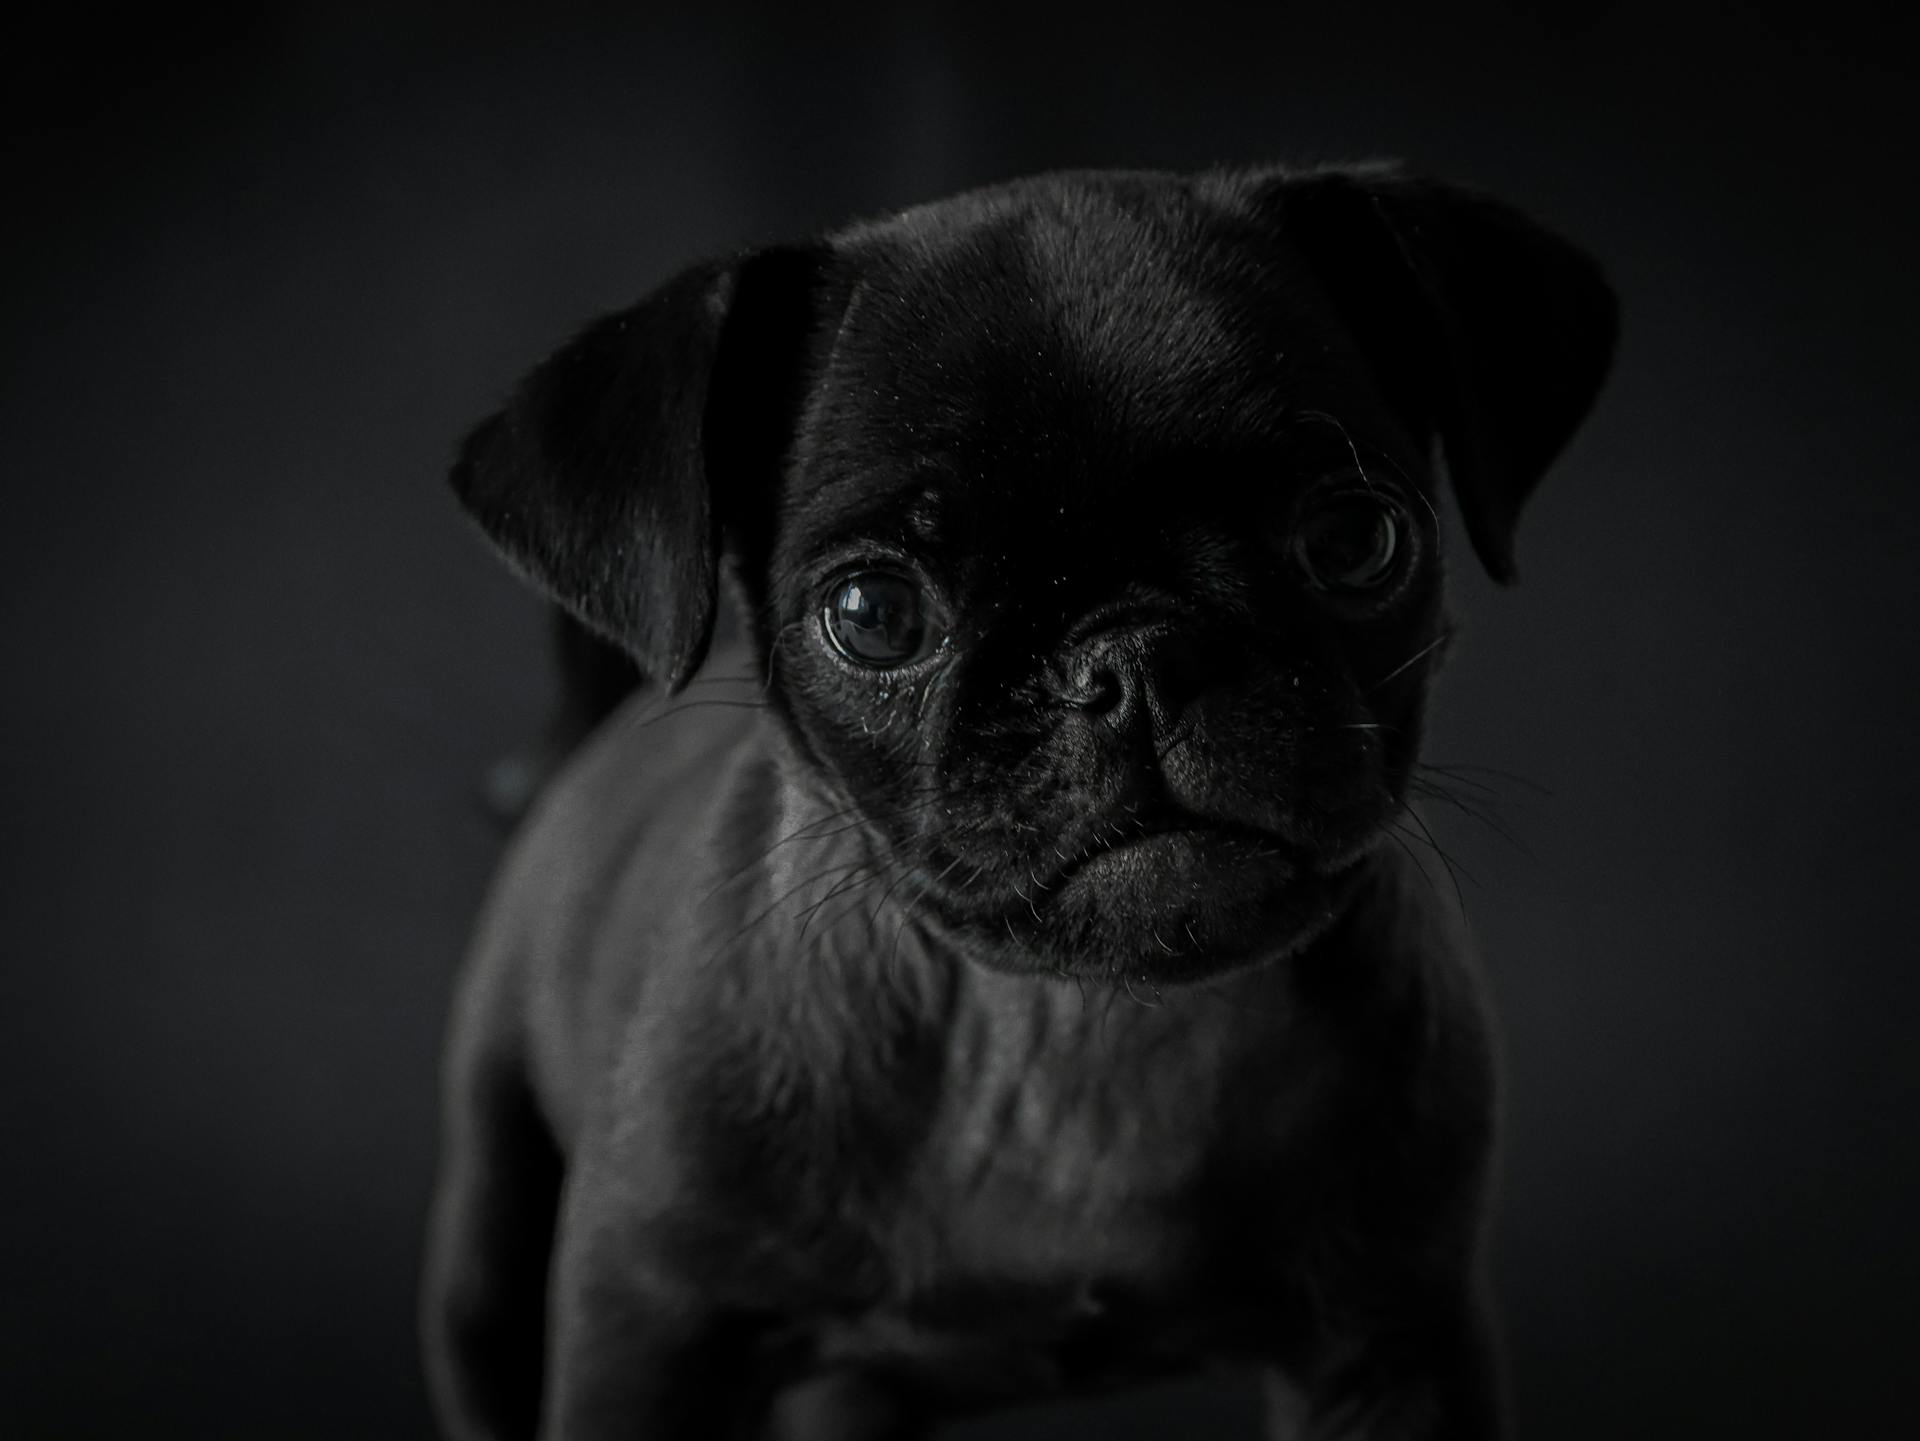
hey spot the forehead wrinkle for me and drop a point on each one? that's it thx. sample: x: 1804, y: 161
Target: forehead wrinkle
x: 1120, y: 303
x: 835, y: 348
x: 1045, y: 348
x: 1080, y: 317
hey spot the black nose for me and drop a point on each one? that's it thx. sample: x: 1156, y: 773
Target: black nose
x: 1127, y: 672
x: 1094, y: 679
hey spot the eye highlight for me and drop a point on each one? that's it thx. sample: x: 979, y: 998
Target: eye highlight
x: 1350, y: 541
x: 879, y: 618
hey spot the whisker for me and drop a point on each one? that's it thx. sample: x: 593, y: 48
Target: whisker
x: 907, y: 917
x: 906, y: 874
x: 1456, y: 768
x: 764, y: 912
x: 1454, y: 870
x: 646, y: 722
x: 1426, y: 650
x: 1474, y: 812
x: 1392, y: 833
x: 810, y: 832
x: 874, y: 870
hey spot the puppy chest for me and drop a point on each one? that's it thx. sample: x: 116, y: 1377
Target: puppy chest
x: 1083, y: 1148
x: 1043, y: 1249
x: 1059, y: 1168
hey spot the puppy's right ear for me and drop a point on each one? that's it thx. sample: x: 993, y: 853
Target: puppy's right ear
x: 612, y: 474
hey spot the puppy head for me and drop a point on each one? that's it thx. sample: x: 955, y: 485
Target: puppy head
x: 1086, y: 523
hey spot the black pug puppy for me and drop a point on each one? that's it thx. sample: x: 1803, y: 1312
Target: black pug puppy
x: 1020, y: 990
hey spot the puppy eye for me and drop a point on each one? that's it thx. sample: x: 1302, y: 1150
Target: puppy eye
x: 1349, y: 541
x: 878, y: 618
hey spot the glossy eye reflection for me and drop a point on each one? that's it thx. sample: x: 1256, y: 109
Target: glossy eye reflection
x: 878, y: 618
x: 1349, y: 541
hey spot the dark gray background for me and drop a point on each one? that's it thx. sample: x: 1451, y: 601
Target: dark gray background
x: 259, y: 277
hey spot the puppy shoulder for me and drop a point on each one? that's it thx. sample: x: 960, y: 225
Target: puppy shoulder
x: 1420, y: 983
x: 1450, y: 993
x: 589, y: 907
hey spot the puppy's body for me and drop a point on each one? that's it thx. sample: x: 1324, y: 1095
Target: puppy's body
x: 1014, y: 985
x: 870, y: 1152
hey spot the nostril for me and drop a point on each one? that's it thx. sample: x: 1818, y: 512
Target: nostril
x: 1096, y: 689
x: 1093, y: 684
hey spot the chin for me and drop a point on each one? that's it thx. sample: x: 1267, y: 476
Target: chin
x: 1169, y: 909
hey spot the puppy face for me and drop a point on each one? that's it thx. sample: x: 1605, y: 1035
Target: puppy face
x: 1088, y: 528
x: 1114, y: 652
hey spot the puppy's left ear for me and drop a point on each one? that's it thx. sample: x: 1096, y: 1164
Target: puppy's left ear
x: 1481, y: 326
x: 622, y: 463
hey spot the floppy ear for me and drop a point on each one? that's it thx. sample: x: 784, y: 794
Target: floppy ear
x: 1481, y: 326
x: 612, y: 474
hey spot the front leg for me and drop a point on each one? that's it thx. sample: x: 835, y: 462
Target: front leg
x: 847, y: 1406
x: 634, y: 1356
x: 1437, y: 1377
x: 483, y: 1303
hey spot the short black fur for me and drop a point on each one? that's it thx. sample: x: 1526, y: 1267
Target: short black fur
x: 861, y: 1041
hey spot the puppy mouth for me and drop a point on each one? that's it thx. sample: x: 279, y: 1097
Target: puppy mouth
x: 1168, y: 847
x: 1169, y: 898
x: 1167, y: 865
x: 1156, y: 893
